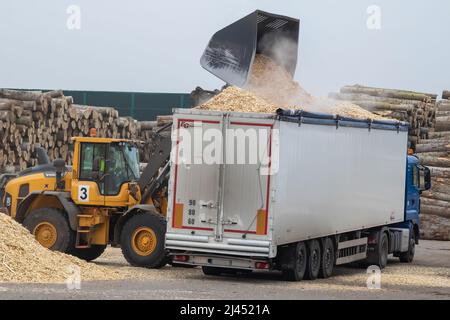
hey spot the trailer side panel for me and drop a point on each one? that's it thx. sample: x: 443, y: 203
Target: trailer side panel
x: 337, y: 179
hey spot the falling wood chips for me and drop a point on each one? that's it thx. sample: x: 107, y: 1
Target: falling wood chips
x: 24, y: 260
x: 271, y: 87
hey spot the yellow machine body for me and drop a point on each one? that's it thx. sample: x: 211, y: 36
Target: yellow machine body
x: 96, y: 207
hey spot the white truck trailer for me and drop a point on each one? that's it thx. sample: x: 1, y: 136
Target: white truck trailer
x: 297, y: 192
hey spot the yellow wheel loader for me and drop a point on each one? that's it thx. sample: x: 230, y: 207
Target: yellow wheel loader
x: 102, y: 199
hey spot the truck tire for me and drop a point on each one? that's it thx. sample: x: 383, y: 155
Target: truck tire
x: 328, y: 259
x: 182, y: 265
x: 314, y: 260
x: 297, y: 263
x: 142, y: 240
x: 89, y: 254
x: 51, y: 229
x: 217, y: 271
x: 379, y: 256
x: 212, y: 271
x: 408, y: 256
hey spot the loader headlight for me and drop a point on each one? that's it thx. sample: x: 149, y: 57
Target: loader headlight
x: 8, y: 201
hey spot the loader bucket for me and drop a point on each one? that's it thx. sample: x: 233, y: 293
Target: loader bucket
x: 230, y: 52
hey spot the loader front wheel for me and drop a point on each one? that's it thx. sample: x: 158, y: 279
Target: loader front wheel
x: 142, y: 240
x: 51, y: 229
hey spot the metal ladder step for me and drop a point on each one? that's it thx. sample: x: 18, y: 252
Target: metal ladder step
x: 83, y: 239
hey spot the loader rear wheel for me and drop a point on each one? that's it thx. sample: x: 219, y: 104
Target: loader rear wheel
x: 297, y: 263
x: 89, y: 254
x: 314, y: 260
x: 142, y: 240
x: 51, y: 229
x: 328, y: 257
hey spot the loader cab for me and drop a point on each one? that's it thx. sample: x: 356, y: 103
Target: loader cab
x: 418, y: 179
x: 102, y: 171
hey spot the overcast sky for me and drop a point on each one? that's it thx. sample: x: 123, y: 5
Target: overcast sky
x: 155, y: 46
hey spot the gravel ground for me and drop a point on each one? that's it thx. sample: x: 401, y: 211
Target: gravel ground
x: 427, y: 278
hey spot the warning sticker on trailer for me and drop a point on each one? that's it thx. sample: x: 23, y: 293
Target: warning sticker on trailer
x: 83, y: 193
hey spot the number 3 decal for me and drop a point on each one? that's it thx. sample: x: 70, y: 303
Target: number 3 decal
x: 83, y: 193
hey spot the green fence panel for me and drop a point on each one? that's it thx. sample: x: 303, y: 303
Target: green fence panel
x: 139, y: 105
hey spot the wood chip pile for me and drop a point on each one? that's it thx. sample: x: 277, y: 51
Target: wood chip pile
x: 23, y: 259
x: 417, y: 108
x: 32, y: 118
x: 271, y: 87
x: 434, y: 152
x: 238, y: 100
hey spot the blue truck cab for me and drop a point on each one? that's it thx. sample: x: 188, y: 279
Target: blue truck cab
x: 418, y: 179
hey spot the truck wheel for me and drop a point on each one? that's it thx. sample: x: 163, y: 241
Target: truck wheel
x: 181, y: 265
x: 408, y: 256
x: 314, y: 260
x: 142, y: 240
x: 212, y: 271
x: 328, y: 257
x: 89, y: 254
x: 51, y: 229
x: 217, y: 271
x: 297, y: 262
x: 379, y: 256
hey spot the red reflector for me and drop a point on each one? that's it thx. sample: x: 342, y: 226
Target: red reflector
x: 261, y: 265
x: 372, y: 239
x: 181, y: 258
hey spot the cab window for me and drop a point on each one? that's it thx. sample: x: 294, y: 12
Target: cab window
x: 415, y: 177
x: 116, y: 171
x: 90, y: 152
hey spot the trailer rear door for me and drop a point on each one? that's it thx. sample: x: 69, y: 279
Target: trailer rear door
x: 220, y: 190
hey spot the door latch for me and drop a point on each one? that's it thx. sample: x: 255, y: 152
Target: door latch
x: 208, y: 204
x: 229, y: 222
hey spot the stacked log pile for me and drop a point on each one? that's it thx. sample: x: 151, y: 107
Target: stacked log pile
x: 414, y: 107
x: 429, y: 136
x: 32, y: 118
x: 434, y: 152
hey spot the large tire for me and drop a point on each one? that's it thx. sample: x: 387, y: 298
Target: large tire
x: 142, y: 240
x: 297, y: 263
x: 89, y: 254
x: 328, y: 259
x: 51, y: 229
x: 314, y: 260
x: 217, y: 271
x: 212, y: 271
x: 408, y: 256
x: 379, y: 256
x: 181, y: 265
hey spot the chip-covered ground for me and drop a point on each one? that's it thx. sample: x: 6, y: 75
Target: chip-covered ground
x: 428, y: 277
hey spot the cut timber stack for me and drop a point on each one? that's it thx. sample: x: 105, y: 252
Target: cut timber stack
x: 434, y: 152
x: 150, y: 133
x: 419, y: 109
x: 33, y: 118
